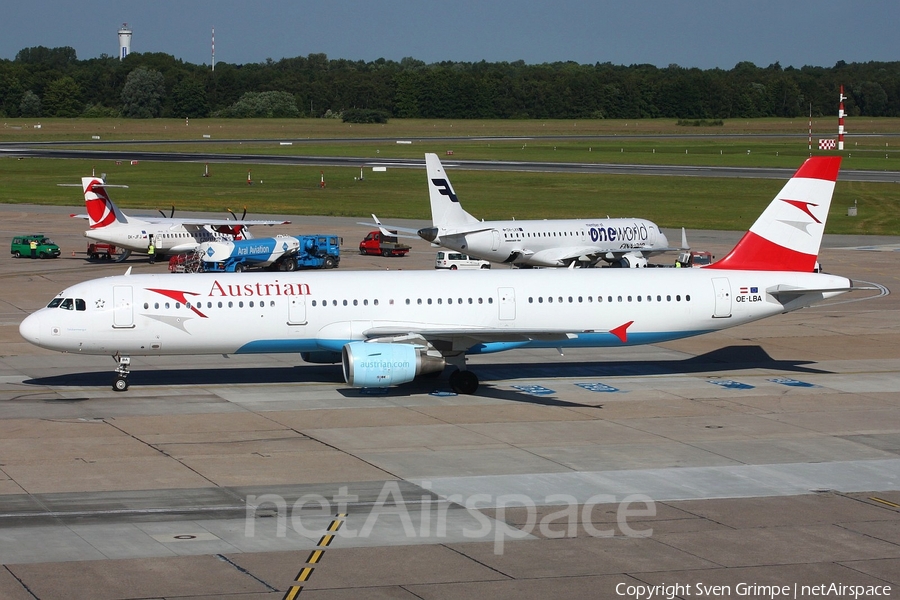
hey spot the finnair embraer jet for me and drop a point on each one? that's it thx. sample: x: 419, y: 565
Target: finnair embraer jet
x: 387, y: 327
x: 536, y: 243
x: 170, y: 235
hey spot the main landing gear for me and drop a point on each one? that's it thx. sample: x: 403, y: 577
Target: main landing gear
x: 120, y: 383
x: 463, y: 381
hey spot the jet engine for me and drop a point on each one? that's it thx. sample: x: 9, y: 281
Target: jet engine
x: 631, y: 261
x: 374, y: 364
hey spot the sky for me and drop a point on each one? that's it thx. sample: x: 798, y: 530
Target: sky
x: 690, y: 33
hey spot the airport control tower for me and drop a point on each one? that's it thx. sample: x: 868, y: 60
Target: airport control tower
x: 124, y: 41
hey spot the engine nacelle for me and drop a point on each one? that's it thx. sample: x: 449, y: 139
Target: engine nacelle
x: 374, y: 364
x: 321, y: 357
x: 631, y: 261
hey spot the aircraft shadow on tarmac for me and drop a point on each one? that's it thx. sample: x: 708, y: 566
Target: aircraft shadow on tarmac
x: 730, y: 358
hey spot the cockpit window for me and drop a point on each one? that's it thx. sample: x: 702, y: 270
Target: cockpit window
x: 55, y: 302
x: 79, y: 304
x: 67, y: 304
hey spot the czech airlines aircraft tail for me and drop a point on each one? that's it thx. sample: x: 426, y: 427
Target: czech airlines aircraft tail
x: 388, y: 327
x: 787, y: 236
x: 101, y: 211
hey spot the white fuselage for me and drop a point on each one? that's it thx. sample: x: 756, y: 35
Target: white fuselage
x: 491, y: 310
x: 550, y: 243
x: 168, y: 238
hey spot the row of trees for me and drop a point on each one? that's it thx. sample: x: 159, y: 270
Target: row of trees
x: 52, y: 82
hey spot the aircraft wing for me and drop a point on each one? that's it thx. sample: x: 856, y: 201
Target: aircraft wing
x: 451, y: 340
x: 213, y: 222
x: 391, y: 230
x: 567, y: 254
x: 197, y: 222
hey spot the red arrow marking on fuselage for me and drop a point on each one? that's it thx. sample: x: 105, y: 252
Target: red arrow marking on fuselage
x: 178, y: 296
x: 621, y: 331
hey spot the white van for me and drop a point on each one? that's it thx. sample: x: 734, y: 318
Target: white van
x: 457, y: 260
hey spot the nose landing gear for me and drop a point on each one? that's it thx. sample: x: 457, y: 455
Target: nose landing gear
x: 120, y: 383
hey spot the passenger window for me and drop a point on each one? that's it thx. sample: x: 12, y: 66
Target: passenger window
x: 146, y: 305
x: 687, y: 298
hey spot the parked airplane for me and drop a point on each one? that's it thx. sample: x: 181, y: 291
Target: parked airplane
x: 536, y: 243
x: 170, y: 235
x: 388, y: 327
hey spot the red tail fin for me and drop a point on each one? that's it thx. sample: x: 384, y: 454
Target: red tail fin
x: 787, y: 236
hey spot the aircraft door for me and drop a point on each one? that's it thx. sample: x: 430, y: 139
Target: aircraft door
x: 495, y: 239
x: 722, y: 287
x: 123, y: 307
x: 507, y: 298
x: 297, y: 310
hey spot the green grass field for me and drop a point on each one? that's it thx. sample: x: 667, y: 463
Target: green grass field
x: 703, y: 203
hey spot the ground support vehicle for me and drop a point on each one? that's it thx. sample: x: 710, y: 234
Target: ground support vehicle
x: 378, y: 243
x: 45, y: 248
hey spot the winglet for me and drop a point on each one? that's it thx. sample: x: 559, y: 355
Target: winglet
x: 788, y: 234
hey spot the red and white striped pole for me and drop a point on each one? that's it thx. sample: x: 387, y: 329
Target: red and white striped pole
x: 841, y: 121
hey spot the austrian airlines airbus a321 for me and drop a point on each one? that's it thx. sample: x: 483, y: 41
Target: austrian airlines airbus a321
x: 388, y: 327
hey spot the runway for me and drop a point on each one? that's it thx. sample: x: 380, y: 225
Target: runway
x: 476, y: 165
x: 765, y: 454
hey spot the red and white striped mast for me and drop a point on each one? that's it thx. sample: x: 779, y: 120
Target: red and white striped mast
x: 841, y: 121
